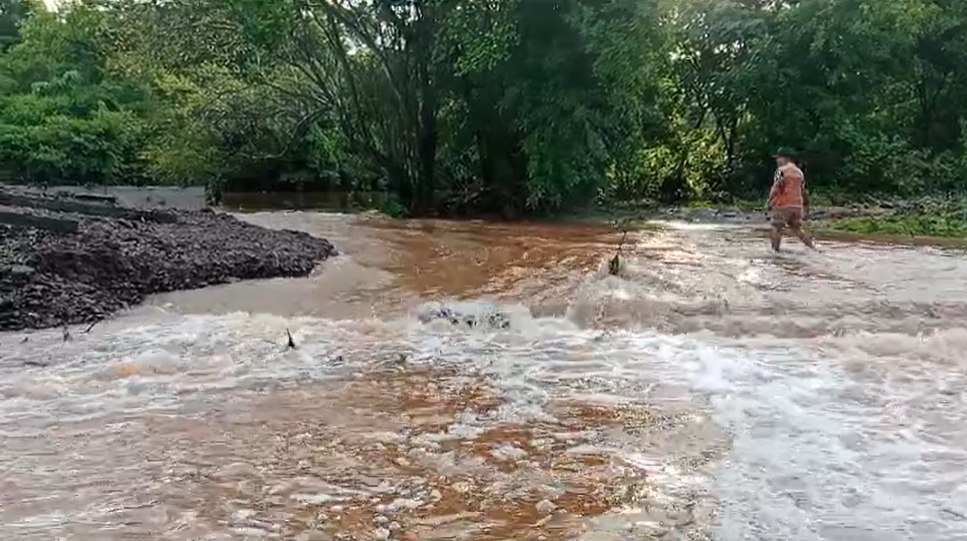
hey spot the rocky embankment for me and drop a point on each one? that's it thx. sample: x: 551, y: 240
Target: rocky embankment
x: 65, y: 260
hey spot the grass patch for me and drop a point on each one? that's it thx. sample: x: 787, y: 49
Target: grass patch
x: 913, y: 225
x: 927, y: 217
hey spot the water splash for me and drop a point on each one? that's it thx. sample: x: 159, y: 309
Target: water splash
x: 710, y: 390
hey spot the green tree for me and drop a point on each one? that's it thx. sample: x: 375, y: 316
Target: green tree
x: 488, y: 107
x: 12, y: 15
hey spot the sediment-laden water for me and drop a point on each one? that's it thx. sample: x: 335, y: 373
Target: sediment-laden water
x: 711, y: 391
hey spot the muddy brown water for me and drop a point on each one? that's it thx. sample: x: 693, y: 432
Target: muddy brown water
x: 711, y: 391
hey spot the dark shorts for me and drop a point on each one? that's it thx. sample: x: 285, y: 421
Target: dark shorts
x: 787, y: 217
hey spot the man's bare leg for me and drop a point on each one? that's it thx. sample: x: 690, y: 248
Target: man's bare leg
x: 776, y: 237
x: 804, y: 237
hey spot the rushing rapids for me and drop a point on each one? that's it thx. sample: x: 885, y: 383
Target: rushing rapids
x: 711, y: 390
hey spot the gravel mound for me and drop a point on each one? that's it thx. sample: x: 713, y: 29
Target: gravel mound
x: 49, y: 280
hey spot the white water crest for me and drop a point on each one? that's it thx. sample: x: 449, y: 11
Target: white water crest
x: 804, y: 396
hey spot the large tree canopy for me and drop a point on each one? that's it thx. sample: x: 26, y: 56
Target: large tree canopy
x: 487, y: 106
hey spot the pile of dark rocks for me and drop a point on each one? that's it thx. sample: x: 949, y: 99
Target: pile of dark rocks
x: 49, y: 279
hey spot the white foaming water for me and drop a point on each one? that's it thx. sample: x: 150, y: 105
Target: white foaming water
x: 818, y: 454
x: 820, y: 449
x: 838, y: 436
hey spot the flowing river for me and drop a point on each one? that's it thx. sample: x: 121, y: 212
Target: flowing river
x: 711, y: 391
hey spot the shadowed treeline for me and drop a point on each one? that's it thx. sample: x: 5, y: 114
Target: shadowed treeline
x: 473, y: 106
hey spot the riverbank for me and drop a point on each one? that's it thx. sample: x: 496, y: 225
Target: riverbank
x: 80, y: 266
x: 922, y: 218
x: 926, y: 217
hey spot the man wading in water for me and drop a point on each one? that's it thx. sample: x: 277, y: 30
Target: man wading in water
x: 788, y: 200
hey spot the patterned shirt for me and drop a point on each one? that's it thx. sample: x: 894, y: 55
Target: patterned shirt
x: 787, y: 186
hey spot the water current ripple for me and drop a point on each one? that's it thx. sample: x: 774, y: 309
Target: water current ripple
x: 712, y: 391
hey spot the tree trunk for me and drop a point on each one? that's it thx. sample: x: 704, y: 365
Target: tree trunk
x: 428, y: 128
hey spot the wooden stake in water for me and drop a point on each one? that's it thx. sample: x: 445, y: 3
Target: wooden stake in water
x: 614, y: 266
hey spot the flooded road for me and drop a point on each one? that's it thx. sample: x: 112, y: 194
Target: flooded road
x: 711, y: 391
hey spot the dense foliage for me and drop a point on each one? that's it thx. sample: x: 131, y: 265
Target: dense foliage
x: 496, y: 106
